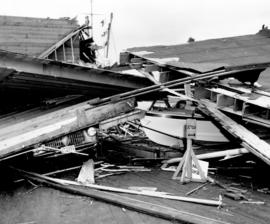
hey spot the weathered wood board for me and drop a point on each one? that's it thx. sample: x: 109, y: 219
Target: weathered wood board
x: 50, y: 125
x: 249, y: 140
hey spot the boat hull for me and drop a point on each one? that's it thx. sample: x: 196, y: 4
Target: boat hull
x: 169, y: 129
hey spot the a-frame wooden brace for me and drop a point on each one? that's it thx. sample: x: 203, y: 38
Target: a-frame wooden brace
x: 186, y: 163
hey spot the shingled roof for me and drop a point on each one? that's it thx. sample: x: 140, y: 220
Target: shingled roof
x: 32, y: 36
x: 214, y: 53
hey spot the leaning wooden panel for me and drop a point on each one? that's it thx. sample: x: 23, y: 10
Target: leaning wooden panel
x: 250, y: 141
x: 60, y: 123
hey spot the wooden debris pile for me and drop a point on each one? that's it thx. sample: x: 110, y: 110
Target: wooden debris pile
x: 110, y: 128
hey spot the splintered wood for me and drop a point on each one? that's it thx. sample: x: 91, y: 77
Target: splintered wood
x: 250, y: 141
x: 43, y: 178
x: 164, y: 212
x: 107, y: 169
x: 44, y: 125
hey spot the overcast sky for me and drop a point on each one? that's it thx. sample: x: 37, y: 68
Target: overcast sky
x: 151, y: 22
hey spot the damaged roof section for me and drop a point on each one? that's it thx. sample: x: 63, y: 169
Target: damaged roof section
x: 26, y: 79
x: 33, y: 36
x: 213, y: 54
x: 42, y: 58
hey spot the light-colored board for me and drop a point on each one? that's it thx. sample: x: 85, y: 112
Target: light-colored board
x: 259, y: 100
x: 218, y: 154
x: 129, y: 203
x: 249, y: 140
x: 81, y: 119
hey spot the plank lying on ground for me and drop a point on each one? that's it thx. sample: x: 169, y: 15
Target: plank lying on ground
x: 121, y: 190
x: 196, y: 189
x: 109, y: 174
x: 68, y: 169
x: 60, y: 171
x: 250, y: 141
x: 129, y: 203
x: 231, y: 152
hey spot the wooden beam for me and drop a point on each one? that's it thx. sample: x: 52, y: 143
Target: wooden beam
x: 64, y: 52
x: 218, y: 154
x: 59, y: 123
x: 250, y: 141
x: 53, y: 70
x: 61, y: 42
x: 72, y: 50
x: 150, y: 67
x: 136, y: 60
x: 55, y: 55
x: 127, y: 191
x: 126, y: 202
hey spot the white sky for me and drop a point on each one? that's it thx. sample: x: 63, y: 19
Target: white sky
x: 151, y: 22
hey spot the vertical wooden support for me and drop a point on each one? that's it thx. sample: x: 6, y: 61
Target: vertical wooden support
x: 64, y: 52
x: 124, y: 58
x: 188, y: 92
x: 72, y: 50
x: 166, y: 101
x: 164, y: 76
x: 152, y: 104
x: 186, y: 163
x: 55, y: 55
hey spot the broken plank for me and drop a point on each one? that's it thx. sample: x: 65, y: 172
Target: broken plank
x: 225, y: 153
x: 156, y: 210
x: 62, y: 124
x: 121, y: 190
x: 137, y: 188
x: 32, y: 119
x: 67, y: 169
x: 250, y: 141
x: 196, y: 189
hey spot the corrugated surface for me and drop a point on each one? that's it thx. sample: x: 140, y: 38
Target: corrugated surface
x: 215, y: 53
x: 32, y: 36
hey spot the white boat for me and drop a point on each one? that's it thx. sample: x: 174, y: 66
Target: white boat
x: 167, y: 127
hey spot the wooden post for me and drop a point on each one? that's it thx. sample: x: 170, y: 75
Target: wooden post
x: 186, y: 163
x: 188, y: 92
x: 64, y: 52
x: 55, y: 55
x: 72, y: 50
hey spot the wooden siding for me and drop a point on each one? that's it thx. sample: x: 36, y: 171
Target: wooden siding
x: 32, y: 36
